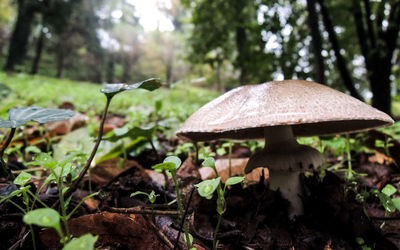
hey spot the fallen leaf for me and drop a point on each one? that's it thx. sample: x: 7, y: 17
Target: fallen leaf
x: 237, y: 168
x: 118, y: 230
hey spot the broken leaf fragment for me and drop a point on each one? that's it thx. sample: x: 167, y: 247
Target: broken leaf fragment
x: 19, y: 116
x: 110, y: 89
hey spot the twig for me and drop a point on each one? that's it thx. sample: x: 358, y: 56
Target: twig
x: 159, y: 233
x: 183, y: 219
x: 141, y: 210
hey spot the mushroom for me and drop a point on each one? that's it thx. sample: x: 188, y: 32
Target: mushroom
x: 280, y: 111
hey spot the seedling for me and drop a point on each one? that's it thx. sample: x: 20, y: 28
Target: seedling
x: 171, y: 164
x: 110, y: 90
x: 207, y: 188
x: 152, y: 196
x: 20, y: 116
x: 48, y: 217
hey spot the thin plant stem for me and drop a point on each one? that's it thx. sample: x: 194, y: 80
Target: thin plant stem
x: 75, y: 185
x: 33, y: 237
x: 183, y: 224
x: 216, y: 231
x: 230, y: 159
x: 63, y: 209
x: 349, y: 174
x: 180, y: 206
x: 3, y: 148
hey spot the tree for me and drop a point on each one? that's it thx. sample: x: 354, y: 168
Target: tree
x: 231, y: 28
x: 378, y: 34
x: 22, y: 29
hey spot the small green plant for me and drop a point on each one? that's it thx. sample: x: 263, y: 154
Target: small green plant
x: 207, y: 188
x: 20, y: 116
x: 222, y: 151
x: 152, y: 196
x: 171, y: 165
x: 48, y: 217
x: 360, y: 241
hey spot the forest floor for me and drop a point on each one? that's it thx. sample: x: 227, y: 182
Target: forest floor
x: 339, y: 212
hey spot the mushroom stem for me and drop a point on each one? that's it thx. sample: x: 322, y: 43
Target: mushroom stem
x: 285, y: 160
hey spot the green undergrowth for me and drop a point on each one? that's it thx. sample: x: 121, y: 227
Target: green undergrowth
x: 178, y: 102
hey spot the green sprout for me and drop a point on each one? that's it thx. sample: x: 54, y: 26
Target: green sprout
x: 207, y: 188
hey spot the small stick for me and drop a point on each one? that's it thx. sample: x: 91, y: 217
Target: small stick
x: 159, y: 233
x: 141, y: 210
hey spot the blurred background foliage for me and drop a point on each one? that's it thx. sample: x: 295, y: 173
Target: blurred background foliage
x: 351, y: 45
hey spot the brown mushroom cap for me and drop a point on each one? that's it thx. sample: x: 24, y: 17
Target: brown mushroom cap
x: 310, y: 108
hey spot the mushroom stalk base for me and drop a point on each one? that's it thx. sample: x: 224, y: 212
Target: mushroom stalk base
x: 288, y: 183
x: 285, y: 160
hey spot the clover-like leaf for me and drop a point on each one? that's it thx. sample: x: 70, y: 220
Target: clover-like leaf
x: 112, y: 89
x: 206, y: 188
x: 209, y: 162
x: 174, y: 160
x: 44, y: 159
x: 389, y: 190
x: 44, y: 217
x: 234, y: 180
x: 19, y: 116
x: 168, y: 166
x: 85, y: 242
x: 22, y: 178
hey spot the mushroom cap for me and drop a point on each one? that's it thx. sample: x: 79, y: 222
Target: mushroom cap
x: 310, y: 108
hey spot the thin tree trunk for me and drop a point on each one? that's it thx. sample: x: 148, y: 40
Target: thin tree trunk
x: 377, y: 50
x: 19, y: 39
x: 341, y: 62
x: 38, y: 54
x: 316, y: 42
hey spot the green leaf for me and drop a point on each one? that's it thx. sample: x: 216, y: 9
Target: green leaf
x: 234, y: 180
x: 389, y: 190
x: 386, y: 202
x: 396, y: 203
x: 189, y: 239
x: 19, y: 116
x: 112, y: 89
x: 132, y: 133
x: 153, y: 196
x: 168, y: 166
x: 85, y: 242
x: 360, y: 241
x: 139, y: 192
x: 206, y: 188
x: 173, y: 159
x: 44, y: 159
x: 22, y: 178
x: 209, y: 162
x: 44, y: 217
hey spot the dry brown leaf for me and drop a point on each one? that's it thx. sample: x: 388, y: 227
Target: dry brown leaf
x: 118, y: 230
x: 237, y: 168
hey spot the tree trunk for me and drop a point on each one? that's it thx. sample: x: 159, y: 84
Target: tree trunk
x: 38, y: 54
x: 316, y: 42
x: 19, y: 39
x: 377, y: 50
x: 341, y: 62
